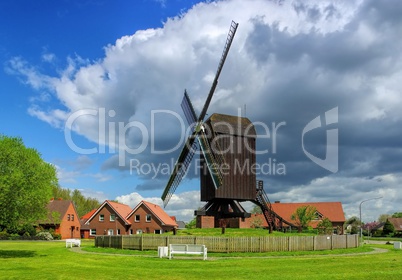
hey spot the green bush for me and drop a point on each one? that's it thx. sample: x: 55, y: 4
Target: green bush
x: 56, y: 236
x: 4, y: 235
x: 44, y: 235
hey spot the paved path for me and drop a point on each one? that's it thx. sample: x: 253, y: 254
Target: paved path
x: 375, y: 251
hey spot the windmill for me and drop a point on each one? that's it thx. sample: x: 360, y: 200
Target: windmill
x: 227, y: 145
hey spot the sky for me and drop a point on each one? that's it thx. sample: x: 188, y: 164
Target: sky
x: 95, y: 87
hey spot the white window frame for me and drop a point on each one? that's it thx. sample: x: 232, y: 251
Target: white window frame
x: 158, y: 231
x: 137, y: 216
x: 101, y: 218
x: 92, y: 231
x: 114, y: 217
x: 148, y: 218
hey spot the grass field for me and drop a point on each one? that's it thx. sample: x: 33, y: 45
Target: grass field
x: 51, y: 260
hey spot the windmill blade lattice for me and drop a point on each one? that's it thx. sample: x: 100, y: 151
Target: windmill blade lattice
x: 188, y: 109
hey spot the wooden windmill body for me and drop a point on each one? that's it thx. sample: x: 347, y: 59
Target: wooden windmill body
x: 232, y: 142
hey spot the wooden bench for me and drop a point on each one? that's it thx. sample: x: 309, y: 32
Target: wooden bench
x: 187, y: 249
x: 73, y: 242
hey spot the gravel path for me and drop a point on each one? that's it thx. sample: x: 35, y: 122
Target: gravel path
x: 375, y: 251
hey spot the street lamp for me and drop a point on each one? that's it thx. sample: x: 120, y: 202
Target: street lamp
x: 360, y: 211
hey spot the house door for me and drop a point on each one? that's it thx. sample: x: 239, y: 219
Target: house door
x: 110, y: 232
x: 72, y: 231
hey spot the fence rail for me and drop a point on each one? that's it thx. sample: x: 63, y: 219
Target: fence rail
x: 232, y: 244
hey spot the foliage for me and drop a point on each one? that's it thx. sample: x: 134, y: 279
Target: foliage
x: 82, y: 204
x: 397, y: 215
x: 44, y: 235
x: 303, y: 216
x: 370, y: 227
x: 256, y: 222
x: 256, y: 210
x: 383, y: 217
x: 388, y: 228
x: 26, y: 182
x: 191, y: 224
x: 355, y: 223
x: 325, y: 226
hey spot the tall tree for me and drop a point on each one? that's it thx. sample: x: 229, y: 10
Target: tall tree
x: 355, y: 224
x: 397, y: 215
x: 303, y: 216
x: 82, y: 204
x: 388, y: 228
x: 26, y: 182
x: 383, y: 218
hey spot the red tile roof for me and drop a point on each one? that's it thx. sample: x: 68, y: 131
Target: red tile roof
x: 59, y: 206
x: 157, y: 211
x: 397, y: 222
x: 122, y: 211
x: 331, y: 210
x: 88, y: 215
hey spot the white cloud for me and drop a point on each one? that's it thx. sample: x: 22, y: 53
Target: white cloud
x: 181, y: 206
x: 288, y: 62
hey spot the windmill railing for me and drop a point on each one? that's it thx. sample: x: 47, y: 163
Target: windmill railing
x: 273, y: 219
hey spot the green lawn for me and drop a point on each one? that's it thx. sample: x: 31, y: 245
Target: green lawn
x: 51, y: 260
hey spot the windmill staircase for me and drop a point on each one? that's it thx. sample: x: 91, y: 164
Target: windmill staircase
x: 274, y: 221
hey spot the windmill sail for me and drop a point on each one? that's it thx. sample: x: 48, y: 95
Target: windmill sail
x: 188, y: 109
x: 180, y: 169
x: 229, y: 40
x: 214, y: 167
x: 188, y: 151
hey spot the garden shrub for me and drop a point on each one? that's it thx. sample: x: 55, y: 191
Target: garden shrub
x: 44, y: 235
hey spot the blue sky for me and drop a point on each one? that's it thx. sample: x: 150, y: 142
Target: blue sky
x: 111, y: 75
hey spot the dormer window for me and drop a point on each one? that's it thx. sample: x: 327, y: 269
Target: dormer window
x: 317, y: 216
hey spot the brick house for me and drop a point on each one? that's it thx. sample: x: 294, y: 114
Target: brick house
x: 112, y: 218
x: 147, y: 217
x: 85, y: 229
x: 108, y: 219
x: 62, y: 217
x: 331, y: 210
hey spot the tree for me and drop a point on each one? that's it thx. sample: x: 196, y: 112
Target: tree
x: 191, y: 224
x: 383, y: 218
x: 256, y: 210
x: 303, y: 216
x: 26, y: 182
x: 325, y: 226
x: 397, y: 215
x: 388, y: 228
x: 355, y: 223
x: 82, y: 204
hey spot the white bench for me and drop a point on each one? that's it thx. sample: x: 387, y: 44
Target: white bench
x: 73, y: 242
x: 187, y: 249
